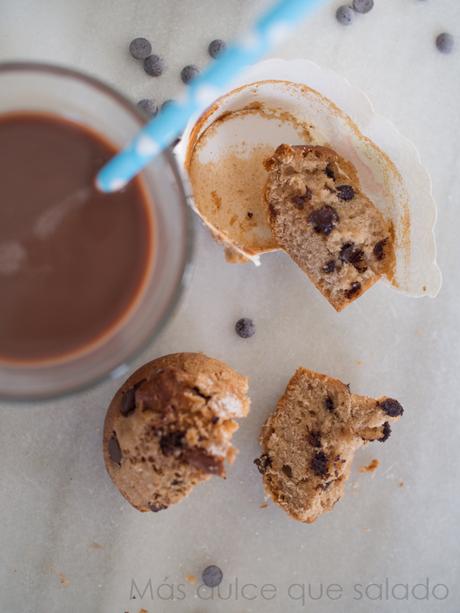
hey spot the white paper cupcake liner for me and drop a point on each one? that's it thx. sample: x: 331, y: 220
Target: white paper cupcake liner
x: 334, y: 113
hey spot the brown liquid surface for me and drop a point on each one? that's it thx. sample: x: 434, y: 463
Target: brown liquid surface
x: 72, y: 260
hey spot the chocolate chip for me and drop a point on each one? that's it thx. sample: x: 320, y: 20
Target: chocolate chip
x: 353, y: 256
x: 156, y: 507
x: 391, y: 407
x: 250, y: 215
x: 363, y: 6
x: 205, y: 462
x: 140, y: 48
x: 245, y: 327
x: 314, y: 438
x: 329, y: 404
x: 189, y: 72
x: 379, y: 249
x: 330, y: 172
x: 171, y: 442
x: 344, y: 15
x: 354, y: 288
x: 154, y: 65
x: 128, y: 402
x: 300, y: 201
x: 345, y: 192
x: 114, y: 449
x: 212, y: 576
x: 263, y: 463
x: 324, y: 219
x: 287, y: 470
x: 319, y: 464
x: 214, y: 419
x: 445, y: 42
x: 216, y: 47
x: 148, y: 106
x: 386, y: 431
x: 329, y: 267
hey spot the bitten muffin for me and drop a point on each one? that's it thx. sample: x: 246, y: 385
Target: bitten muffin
x: 321, y: 218
x: 170, y: 426
x: 310, y: 440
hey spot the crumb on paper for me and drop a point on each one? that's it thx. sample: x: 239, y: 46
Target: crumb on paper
x: 143, y: 611
x: 63, y: 580
x: 359, y: 363
x: 401, y: 484
x: 95, y: 546
x: 263, y: 505
x: 371, y: 467
x: 191, y: 579
x: 367, y: 530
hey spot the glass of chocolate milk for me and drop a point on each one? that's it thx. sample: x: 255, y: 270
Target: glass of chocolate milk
x: 86, y: 279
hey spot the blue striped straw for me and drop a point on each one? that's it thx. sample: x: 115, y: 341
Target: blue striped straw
x: 161, y: 131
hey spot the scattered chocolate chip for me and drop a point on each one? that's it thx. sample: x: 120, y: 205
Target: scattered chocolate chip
x: 245, y: 327
x: 156, y: 507
x: 177, y: 482
x: 319, y: 464
x: 171, y: 442
x: 386, y: 431
x: 379, y: 249
x: 140, y: 48
x: 345, y: 192
x: 329, y: 267
x: 205, y: 462
x: 324, y: 219
x: 149, y: 106
x: 263, y: 463
x: 344, y: 15
x: 314, y: 438
x: 196, y: 390
x: 287, y: 470
x: 215, y: 419
x: 354, y: 256
x: 154, y: 65
x: 216, y: 47
x: 212, y: 576
x: 128, y: 402
x: 354, y: 288
x: 391, y: 407
x: 329, y: 404
x: 250, y: 215
x: 445, y: 42
x: 330, y: 172
x: 363, y: 6
x: 114, y: 450
x: 300, y: 201
x: 189, y: 72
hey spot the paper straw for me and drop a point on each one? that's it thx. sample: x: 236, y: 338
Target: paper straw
x: 161, y: 131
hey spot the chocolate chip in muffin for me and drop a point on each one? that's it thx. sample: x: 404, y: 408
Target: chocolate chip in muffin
x: 386, y: 431
x: 115, y: 450
x: 354, y: 288
x: 263, y: 463
x: 355, y: 256
x: 319, y: 464
x: 171, y: 442
x: 250, y: 214
x: 330, y: 171
x: 329, y: 404
x: 314, y: 438
x: 324, y: 219
x: 329, y: 267
x: 300, y: 201
x: 345, y: 192
x: 128, y: 402
x: 287, y: 470
x: 379, y: 249
x: 391, y: 407
x: 155, y: 507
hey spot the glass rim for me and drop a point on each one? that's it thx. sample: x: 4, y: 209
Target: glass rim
x: 171, y: 307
